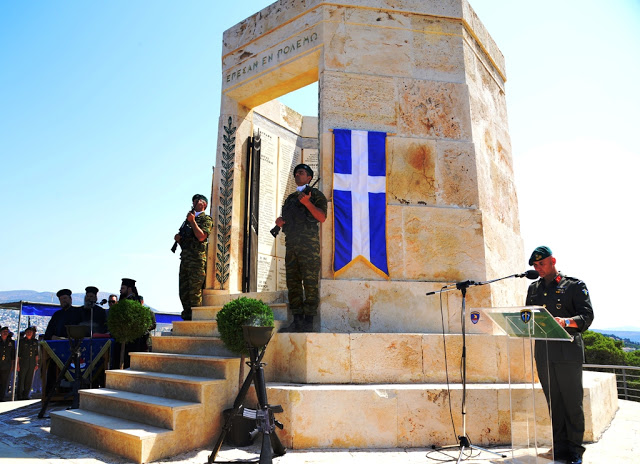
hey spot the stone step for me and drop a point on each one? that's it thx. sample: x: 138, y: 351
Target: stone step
x: 215, y: 298
x: 393, y: 416
x: 160, y: 412
x: 195, y: 328
x: 396, y: 358
x: 206, y: 328
x: 421, y: 415
x: 133, y: 440
x: 179, y: 387
x: 209, y: 313
x: 215, y: 367
x: 208, y: 346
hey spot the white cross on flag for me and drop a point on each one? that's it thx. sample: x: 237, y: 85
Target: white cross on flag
x: 360, y: 199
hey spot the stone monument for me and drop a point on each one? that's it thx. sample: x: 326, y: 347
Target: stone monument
x: 428, y: 74
x: 384, y: 364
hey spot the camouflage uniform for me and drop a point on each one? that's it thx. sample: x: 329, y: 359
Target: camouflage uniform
x: 302, y: 258
x: 193, y: 262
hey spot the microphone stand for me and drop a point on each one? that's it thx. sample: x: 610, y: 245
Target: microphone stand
x: 463, y: 440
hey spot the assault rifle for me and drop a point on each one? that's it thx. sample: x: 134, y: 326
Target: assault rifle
x: 276, y: 230
x: 185, y: 228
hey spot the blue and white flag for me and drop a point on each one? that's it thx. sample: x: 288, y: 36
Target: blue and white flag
x: 360, y: 199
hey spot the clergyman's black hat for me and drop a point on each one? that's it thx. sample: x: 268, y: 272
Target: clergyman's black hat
x: 539, y: 253
x: 305, y: 167
x: 128, y: 282
x: 64, y: 291
x: 91, y: 289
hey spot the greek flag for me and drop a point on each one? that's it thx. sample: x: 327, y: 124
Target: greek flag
x: 360, y: 199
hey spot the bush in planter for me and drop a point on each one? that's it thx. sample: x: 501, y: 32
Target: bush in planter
x: 235, y: 314
x: 128, y: 320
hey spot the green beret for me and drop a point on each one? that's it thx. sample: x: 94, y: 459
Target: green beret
x: 198, y: 196
x: 539, y: 253
x: 305, y: 167
x: 64, y: 291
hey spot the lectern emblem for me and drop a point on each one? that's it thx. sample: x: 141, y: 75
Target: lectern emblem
x: 475, y: 316
x: 525, y: 315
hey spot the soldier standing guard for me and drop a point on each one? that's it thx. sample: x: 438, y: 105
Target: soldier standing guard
x: 301, y: 212
x: 27, y: 363
x: 193, y: 257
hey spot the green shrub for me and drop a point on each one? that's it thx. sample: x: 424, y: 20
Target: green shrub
x: 235, y: 314
x: 128, y: 320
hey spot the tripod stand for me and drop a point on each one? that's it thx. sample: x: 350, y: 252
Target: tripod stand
x: 264, y: 415
x: 76, y: 347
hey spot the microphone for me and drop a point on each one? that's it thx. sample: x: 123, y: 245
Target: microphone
x: 530, y: 274
x: 102, y: 302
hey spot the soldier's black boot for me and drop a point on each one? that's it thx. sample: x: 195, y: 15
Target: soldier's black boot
x: 295, y: 326
x: 307, y: 324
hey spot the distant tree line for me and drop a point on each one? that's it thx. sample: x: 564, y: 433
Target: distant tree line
x: 602, y: 349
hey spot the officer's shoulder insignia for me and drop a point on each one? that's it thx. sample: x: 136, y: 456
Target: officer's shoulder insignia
x: 585, y: 291
x: 475, y: 316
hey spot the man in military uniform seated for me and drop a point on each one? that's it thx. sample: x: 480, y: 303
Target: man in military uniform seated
x: 301, y: 213
x: 27, y: 363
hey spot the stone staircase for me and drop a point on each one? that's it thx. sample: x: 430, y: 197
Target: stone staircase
x: 338, y: 390
x: 169, y: 400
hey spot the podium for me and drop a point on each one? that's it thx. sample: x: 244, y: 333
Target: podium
x: 531, y: 430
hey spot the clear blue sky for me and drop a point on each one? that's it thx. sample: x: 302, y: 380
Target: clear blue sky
x: 108, y: 126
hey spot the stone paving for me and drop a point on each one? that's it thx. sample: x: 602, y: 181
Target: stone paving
x: 25, y: 439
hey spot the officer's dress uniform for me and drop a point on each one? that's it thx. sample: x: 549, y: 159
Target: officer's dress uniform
x: 193, y: 262
x: 27, y: 355
x: 302, y: 257
x: 7, y: 357
x: 560, y: 363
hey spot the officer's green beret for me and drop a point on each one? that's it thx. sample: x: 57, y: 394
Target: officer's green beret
x: 539, y: 253
x: 64, y: 291
x: 91, y: 289
x: 198, y: 196
x: 305, y: 167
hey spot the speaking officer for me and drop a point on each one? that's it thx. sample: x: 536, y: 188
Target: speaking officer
x: 301, y: 213
x: 560, y: 363
x: 193, y: 257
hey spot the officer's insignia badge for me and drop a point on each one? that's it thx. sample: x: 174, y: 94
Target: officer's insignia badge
x: 475, y: 317
x: 525, y: 315
x: 559, y: 306
x: 585, y: 291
